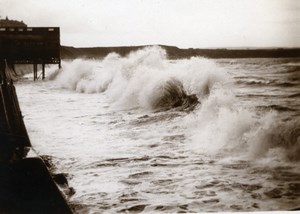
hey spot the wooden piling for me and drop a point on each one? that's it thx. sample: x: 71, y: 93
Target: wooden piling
x: 43, y: 71
x: 35, y: 75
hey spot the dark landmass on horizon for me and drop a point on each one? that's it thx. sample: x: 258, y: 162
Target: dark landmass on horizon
x: 173, y: 52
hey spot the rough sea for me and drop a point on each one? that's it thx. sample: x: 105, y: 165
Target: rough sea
x: 143, y: 133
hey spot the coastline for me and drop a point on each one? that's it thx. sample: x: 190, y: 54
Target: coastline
x: 68, y: 52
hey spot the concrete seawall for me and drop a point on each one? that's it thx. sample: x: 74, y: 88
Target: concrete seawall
x: 26, y: 185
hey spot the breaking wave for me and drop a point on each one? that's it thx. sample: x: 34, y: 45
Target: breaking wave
x: 220, y: 127
x: 218, y: 124
x: 144, y: 79
x: 173, y: 95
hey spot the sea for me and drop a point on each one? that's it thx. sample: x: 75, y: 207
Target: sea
x: 146, y: 134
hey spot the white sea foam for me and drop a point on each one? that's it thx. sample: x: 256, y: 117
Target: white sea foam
x: 220, y: 126
x: 140, y: 78
x: 119, y: 128
x: 146, y: 79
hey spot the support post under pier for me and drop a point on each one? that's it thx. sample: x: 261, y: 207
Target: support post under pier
x: 43, y: 71
x: 35, y: 76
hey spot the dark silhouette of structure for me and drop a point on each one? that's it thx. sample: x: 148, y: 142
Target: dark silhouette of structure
x: 25, y: 183
x: 30, y: 45
x: 13, y: 134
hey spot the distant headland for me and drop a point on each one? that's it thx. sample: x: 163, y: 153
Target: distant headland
x: 178, y: 53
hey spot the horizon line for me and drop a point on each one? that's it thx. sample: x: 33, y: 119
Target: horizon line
x: 229, y: 48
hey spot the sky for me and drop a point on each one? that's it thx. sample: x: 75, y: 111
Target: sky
x: 182, y: 23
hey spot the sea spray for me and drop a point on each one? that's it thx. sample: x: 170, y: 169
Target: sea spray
x: 147, y: 80
x: 221, y: 126
x: 139, y: 80
x: 218, y: 125
x: 278, y: 137
x: 85, y: 76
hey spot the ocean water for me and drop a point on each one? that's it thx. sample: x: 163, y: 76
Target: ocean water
x: 142, y: 133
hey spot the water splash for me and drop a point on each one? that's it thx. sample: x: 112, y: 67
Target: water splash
x: 147, y: 80
x: 143, y: 79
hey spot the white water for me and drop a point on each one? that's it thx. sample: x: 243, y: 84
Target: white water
x: 111, y: 125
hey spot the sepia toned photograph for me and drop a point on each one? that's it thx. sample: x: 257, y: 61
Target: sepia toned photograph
x: 149, y: 106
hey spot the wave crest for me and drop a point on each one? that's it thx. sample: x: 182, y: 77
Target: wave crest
x: 144, y: 79
x: 276, y: 135
x: 173, y: 95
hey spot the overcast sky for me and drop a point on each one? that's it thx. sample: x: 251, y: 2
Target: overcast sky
x: 183, y: 23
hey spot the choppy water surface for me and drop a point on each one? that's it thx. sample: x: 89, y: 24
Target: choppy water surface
x: 143, y: 133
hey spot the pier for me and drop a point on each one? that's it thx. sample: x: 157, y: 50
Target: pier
x: 30, y: 45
